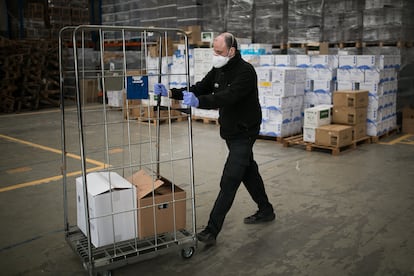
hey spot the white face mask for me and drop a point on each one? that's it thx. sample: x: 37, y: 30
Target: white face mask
x: 219, y: 61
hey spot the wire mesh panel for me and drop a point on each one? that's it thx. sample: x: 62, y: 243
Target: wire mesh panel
x: 127, y: 160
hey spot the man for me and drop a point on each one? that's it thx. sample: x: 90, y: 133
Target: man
x: 231, y: 86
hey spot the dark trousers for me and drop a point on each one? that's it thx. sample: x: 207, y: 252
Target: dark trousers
x: 239, y: 167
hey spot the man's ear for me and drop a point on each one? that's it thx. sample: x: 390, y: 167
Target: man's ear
x: 232, y: 51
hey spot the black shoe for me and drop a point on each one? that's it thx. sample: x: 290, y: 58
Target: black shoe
x: 259, y: 218
x: 206, y: 237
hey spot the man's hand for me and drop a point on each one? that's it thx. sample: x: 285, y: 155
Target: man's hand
x: 159, y: 89
x: 190, y: 99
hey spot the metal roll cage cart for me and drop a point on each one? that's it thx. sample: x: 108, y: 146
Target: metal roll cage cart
x: 132, y: 184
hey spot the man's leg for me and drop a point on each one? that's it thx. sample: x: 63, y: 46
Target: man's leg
x: 253, y: 182
x: 234, y: 169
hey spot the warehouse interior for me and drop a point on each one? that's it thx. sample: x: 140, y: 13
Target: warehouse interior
x: 76, y: 98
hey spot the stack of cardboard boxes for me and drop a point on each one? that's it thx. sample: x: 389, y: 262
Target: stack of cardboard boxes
x: 340, y: 125
x: 350, y: 108
x: 315, y: 117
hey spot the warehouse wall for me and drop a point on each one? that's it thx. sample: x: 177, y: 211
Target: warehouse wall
x: 4, y: 26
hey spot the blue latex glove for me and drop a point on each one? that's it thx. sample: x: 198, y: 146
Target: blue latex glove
x: 190, y: 99
x: 159, y: 89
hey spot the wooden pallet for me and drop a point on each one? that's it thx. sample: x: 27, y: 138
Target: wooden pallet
x: 277, y: 139
x: 153, y: 121
x: 298, y: 140
x: 205, y: 120
x: 399, y: 44
x: 375, y: 139
x: 293, y: 140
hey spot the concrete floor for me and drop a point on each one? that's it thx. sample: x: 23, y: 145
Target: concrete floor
x: 351, y: 214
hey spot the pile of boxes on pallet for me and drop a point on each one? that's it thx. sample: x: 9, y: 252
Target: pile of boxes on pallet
x: 281, y: 93
x: 338, y: 125
x: 288, y: 84
x: 328, y: 73
x: 123, y: 208
x: 378, y: 74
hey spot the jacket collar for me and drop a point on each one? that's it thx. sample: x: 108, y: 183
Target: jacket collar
x: 232, y: 62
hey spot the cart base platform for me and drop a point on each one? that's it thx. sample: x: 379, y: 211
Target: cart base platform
x: 116, y: 255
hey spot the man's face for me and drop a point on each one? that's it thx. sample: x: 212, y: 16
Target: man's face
x: 219, y: 47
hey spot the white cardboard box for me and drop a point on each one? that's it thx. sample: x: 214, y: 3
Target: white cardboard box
x: 373, y: 88
x: 285, y: 60
x: 309, y: 134
x: 267, y: 60
x: 264, y: 73
x: 317, y: 116
x: 115, y: 98
x: 347, y: 61
x: 109, y: 223
x: 324, y: 61
x: 284, y: 74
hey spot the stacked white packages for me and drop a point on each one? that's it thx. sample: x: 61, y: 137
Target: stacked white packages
x: 281, y: 92
x: 377, y: 74
x: 321, y: 73
x: 202, y: 65
x: 289, y: 83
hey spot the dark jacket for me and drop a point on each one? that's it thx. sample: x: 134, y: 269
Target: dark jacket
x: 233, y: 90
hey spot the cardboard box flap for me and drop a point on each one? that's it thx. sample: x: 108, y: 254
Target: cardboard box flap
x: 101, y: 182
x: 144, y: 183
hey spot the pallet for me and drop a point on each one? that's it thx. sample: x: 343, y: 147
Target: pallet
x: 277, y: 138
x: 375, y: 139
x: 294, y: 140
x: 338, y: 150
x: 298, y: 140
x: 205, y: 120
x: 398, y: 44
x: 153, y: 121
x: 269, y: 138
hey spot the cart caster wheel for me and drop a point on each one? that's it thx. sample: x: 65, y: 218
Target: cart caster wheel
x: 187, y: 253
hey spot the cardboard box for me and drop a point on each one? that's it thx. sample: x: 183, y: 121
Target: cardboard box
x: 317, y: 116
x: 115, y: 98
x: 132, y: 110
x: 107, y: 220
x: 359, y: 131
x: 89, y: 90
x: 349, y: 115
x: 408, y: 120
x: 350, y: 98
x: 334, y: 135
x: 309, y: 134
x: 347, y: 61
x: 193, y: 34
x: 160, y: 192
x: 167, y: 48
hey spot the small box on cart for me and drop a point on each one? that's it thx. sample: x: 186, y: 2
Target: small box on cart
x: 107, y: 221
x: 161, y: 205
